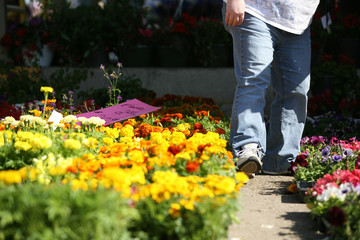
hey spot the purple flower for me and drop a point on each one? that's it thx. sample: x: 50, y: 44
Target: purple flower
x: 72, y: 108
x: 326, y: 151
x: 337, y: 158
x: 35, y: 21
x: 348, y: 153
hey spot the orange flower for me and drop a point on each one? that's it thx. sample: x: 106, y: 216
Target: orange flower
x: 220, y: 131
x: 192, y: 167
x: 74, y: 165
x: 202, y: 113
x: 117, y: 125
x: 198, y: 126
x: 175, y: 149
x: 293, y: 188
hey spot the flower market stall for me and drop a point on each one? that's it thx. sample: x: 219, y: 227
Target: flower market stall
x: 161, y: 175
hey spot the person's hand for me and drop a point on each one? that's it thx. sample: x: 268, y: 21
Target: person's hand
x: 235, y: 12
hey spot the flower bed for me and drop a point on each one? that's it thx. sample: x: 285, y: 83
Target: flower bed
x: 154, y: 177
x: 335, y: 200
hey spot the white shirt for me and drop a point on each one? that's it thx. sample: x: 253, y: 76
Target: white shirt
x: 293, y: 16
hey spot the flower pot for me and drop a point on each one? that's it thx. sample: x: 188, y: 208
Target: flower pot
x: 43, y: 59
x: 302, y: 187
x: 46, y: 56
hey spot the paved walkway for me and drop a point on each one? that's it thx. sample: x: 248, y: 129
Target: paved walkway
x: 268, y: 212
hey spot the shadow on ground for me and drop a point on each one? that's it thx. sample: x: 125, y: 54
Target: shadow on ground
x: 301, y: 225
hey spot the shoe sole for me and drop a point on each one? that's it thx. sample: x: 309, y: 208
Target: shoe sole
x: 250, y: 166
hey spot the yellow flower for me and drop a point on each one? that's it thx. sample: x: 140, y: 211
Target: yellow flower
x: 46, y: 89
x: 241, y: 177
x: 40, y: 141
x: 10, y: 176
x: 188, y: 204
x: 136, y: 155
x: 55, y: 171
x: 112, y: 132
x: 72, y: 144
x: 24, y: 146
x: 174, y: 210
x: 90, y: 142
x: 78, y: 184
x: 107, y: 141
x: 127, y: 131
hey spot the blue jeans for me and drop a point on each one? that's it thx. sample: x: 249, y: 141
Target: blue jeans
x: 264, y: 56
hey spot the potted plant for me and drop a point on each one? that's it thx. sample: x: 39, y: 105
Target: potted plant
x: 319, y: 156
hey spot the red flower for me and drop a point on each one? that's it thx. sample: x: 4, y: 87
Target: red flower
x: 180, y: 28
x: 175, y: 149
x: 6, y: 40
x: 350, y: 20
x: 192, y: 167
x: 220, y: 131
x: 337, y: 216
x: 198, y: 126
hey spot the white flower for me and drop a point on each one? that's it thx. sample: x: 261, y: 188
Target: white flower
x: 26, y: 118
x: 69, y: 119
x: 83, y: 120
x: 15, y: 123
x: 8, y: 120
x: 96, y: 121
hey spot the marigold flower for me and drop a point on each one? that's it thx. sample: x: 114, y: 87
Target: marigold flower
x: 292, y: 188
x: 72, y: 144
x: 192, y: 167
x: 46, y: 89
x: 24, y: 146
x: 174, y: 210
x: 10, y: 176
x: 107, y: 140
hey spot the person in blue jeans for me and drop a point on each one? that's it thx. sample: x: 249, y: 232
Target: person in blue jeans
x: 271, y: 46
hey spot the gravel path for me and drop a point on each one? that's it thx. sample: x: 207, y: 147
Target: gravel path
x: 268, y: 212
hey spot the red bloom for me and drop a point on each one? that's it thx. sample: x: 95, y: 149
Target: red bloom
x: 175, y: 149
x: 220, y: 131
x: 337, y: 216
x: 350, y: 20
x: 6, y: 40
x: 198, y: 126
x: 192, y: 167
x: 180, y: 28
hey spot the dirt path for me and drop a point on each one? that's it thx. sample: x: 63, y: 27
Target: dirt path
x: 268, y: 212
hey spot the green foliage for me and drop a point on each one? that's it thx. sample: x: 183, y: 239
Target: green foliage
x: 109, y: 26
x: 35, y: 211
x: 210, y: 220
x: 20, y: 84
x: 332, y: 125
x: 130, y: 86
x: 64, y: 79
x: 325, y: 159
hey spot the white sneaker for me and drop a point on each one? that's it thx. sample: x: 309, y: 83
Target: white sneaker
x: 248, y: 159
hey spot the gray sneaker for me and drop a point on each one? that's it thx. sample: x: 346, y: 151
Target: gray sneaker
x: 248, y: 159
